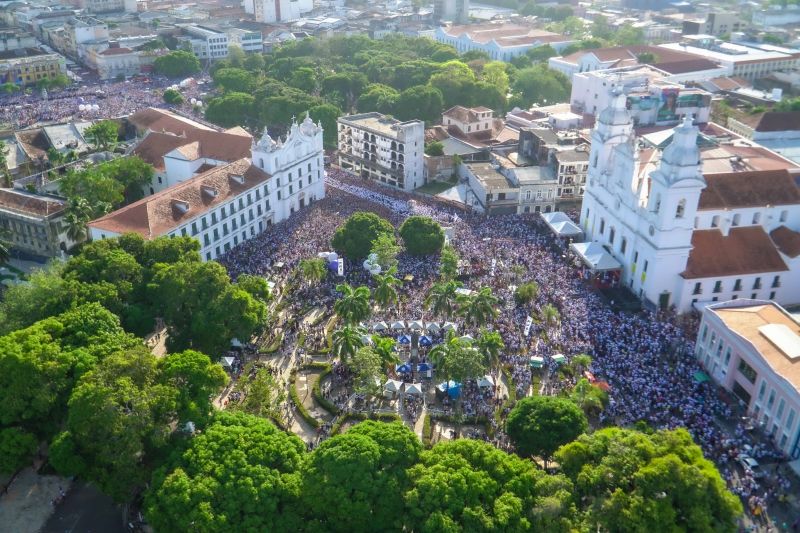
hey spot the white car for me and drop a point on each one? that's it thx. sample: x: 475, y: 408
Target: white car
x: 750, y: 465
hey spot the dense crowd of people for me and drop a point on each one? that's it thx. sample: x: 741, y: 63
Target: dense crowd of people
x: 641, y: 355
x: 113, y: 99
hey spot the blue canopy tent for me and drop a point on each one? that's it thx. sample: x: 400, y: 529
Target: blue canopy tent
x: 451, y: 388
x: 424, y: 367
x: 425, y: 341
x: 404, y: 339
x: 404, y: 368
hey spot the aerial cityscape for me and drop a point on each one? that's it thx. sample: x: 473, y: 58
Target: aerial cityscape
x: 351, y: 265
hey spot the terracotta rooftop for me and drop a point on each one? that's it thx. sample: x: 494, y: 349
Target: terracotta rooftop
x: 779, y: 121
x: 116, y: 51
x: 787, y: 241
x: 746, y: 250
x: 506, y: 34
x: 162, y: 120
x: 749, y: 189
x: 30, y: 204
x: 162, y: 212
x: 33, y: 142
x: 746, y: 322
x: 193, y: 144
x: 671, y: 61
x: 462, y: 114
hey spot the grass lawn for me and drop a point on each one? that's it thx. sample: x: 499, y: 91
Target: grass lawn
x: 435, y: 187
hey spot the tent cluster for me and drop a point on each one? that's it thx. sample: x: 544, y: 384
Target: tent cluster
x: 413, y: 325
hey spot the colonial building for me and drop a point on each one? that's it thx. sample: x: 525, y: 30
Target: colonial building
x: 34, y: 223
x: 752, y: 349
x: 502, y: 40
x: 383, y: 149
x: 232, y: 202
x: 685, y: 235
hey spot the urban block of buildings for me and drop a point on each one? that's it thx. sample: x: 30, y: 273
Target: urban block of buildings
x: 687, y: 231
x: 502, y: 40
x: 224, y: 204
x: 34, y: 223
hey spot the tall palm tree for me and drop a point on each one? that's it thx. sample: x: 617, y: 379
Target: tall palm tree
x: 457, y: 359
x: 442, y: 299
x: 353, y: 305
x: 313, y: 271
x: 384, y: 347
x: 477, y: 309
x: 588, y: 397
x: 346, y: 341
x: 490, y: 344
x: 550, y: 315
x: 385, y: 292
x: 79, y: 212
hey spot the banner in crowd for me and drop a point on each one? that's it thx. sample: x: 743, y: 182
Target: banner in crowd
x: 528, y: 324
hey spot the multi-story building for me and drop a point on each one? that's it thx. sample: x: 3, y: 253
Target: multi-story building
x: 26, y: 67
x: 686, y: 232
x: 775, y: 15
x: 205, y: 42
x: 34, y: 223
x: 102, y: 6
x: 452, y: 10
x: 272, y: 11
x: 750, y: 62
x: 231, y: 203
x: 653, y: 100
x: 15, y: 39
x: 677, y: 64
x: 714, y: 24
x: 113, y: 61
x: 249, y: 41
x: 751, y: 348
x: 503, y: 41
x: 383, y: 149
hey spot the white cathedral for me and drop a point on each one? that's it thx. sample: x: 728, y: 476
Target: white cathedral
x: 686, y: 236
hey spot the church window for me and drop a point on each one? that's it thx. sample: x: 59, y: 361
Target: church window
x: 261, y: 162
x: 527, y: 195
x: 594, y: 161
x: 756, y: 218
x: 611, y: 235
x: 623, y: 245
x: 602, y: 226
x: 737, y: 219
x: 784, y: 216
x: 680, y: 209
x: 715, y: 221
x: 657, y: 205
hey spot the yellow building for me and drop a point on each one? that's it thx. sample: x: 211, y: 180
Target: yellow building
x: 26, y: 67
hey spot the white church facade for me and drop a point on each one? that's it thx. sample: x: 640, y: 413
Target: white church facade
x: 684, y: 237
x: 233, y: 201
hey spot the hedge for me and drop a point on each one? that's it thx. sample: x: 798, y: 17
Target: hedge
x: 304, y: 414
x: 316, y: 391
x: 427, y: 431
x: 381, y: 417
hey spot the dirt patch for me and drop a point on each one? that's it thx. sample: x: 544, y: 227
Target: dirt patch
x: 28, y: 503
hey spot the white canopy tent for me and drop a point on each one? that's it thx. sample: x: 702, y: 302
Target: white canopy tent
x: 392, y: 385
x: 486, y: 381
x: 448, y: 326
x: 433, y: 327
x: 559, y: 358
x: 595, y: 256
x: 466, y: 338
x: 561, y: 225
x: 367, y: 340
x: 416, y: 324
x: 380, y: 326
x: 399, y: 325
x: 414, y: 388
x: 227, y: 362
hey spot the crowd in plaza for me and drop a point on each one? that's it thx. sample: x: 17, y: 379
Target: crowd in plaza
x: 113, y: 99
x: 646, y: 358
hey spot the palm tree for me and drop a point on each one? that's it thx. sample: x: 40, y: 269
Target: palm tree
x: 79, y: 212
x: 490, y: 343
x: 385, y: 292
x: 443, y: 298
x: 590, y: 398
x: 457, y: 359
x: 346, y: 341
x: 313, y: 270
x: 550, y: 315
x: 478, y: 308
x: 384, y: 347
x: 353, y: 305
x: 581, y: 362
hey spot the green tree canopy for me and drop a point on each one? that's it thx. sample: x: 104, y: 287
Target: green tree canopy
x: 386, y: 249
x: 434, y: 148
x: 629, y: 481
x: 539, y: 85
x: 173, y: 96
x: 539, y: 425
x: 354, y: 238
x: 176, y: 64
x: 238, y: 474
x: 526, y: 293
x: 231, y: 109
x: 196, y: 379
x: 235, y: 80
x: 377, y: 97
x: 421, y: 102
x: 102, y: 135
x: 326, y: 114
x: 469, y: 485
x: 117, y: 413
x: 16, y: 449
x: 356, y: 481
x: 422, y: 235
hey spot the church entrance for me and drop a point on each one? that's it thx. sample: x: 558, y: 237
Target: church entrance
x: 663, y: 301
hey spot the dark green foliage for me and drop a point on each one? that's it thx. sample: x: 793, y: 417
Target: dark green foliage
x: 16, y: 449
x: 422, y: 235
x: 177, y: 64
x: 539, y: 425
x: 172, y: 96
x: 354, y: 238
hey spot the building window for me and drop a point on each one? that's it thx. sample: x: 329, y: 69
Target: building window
x: 757, y: 284
x: 747, y: 371
x: 756, y: 218
x: 680, y: 209
x: 194, y: 229
x: 771, y: 400
x: 623, y: 245
x: 611, y: 234
x: 737, y: 219
x: 602, y: 226
x: 784, y: 216
x: 718, y: 286
x: 776, y: 282
x: 715, y: 221
x: 698, y: 288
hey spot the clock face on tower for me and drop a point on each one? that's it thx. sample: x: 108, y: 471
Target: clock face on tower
x: 652, y: 230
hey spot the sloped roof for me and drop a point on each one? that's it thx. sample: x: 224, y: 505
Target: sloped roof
x: 193, y: 144
x: 746, y: 250
x: 162, y: 120
x: 787, y: 240
x: 160, y: 213
x: 779, y: 121
x: 30, y: 204
x: 749, y: 189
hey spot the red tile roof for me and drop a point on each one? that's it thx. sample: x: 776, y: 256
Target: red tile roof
x: 162, y: 120
x: 746, y: 250
x: 193, y: 144
x: 749, y: 189
x: 779, y: 121
x: 116, y: 51
x: 160, y: 213
x: 787, y: 240
x: 30, y: 204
